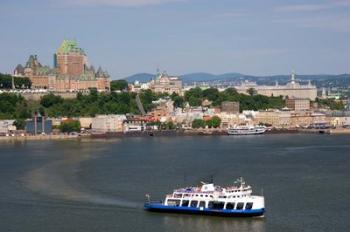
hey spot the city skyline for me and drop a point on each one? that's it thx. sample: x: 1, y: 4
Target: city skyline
x: 183, y: 36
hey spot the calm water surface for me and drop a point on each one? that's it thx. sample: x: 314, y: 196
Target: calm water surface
x: 99, y: 185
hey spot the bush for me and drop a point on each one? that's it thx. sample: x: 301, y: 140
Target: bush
x: 198, y: 123
x: 214, y: 122
x: 70, y: 126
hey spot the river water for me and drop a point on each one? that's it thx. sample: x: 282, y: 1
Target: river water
x: 100, y: 185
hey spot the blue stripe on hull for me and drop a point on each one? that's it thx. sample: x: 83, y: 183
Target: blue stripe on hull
x: 205, y: 211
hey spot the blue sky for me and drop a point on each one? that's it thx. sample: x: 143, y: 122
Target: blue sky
x: 259, y: 37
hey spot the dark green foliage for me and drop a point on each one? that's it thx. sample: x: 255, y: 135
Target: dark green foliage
x: 97, y: 103
x: 50, y: 100
x: 20, y: 82
x: 167, y: 126
x: 211, y: 94
x: 13, y: 106
x: 20, y: 124
x: 214, y: 122
x: 198, y: 123
x: 251, y: 91
x: 70, y: 126
x: 331, y: 104
x: 119, y: 85
x: 194, y: 96
x: 179, y: 101
x: 247, y: 102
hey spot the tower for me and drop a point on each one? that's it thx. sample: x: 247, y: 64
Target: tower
x: 70, y: 59
x: 293, y: 77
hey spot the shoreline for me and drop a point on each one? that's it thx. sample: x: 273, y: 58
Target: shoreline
x: 203, y: 132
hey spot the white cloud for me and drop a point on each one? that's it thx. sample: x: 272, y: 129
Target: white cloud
x: 232, y: 14
x: 331, y: 4
x: 335, y: 23
x: 303, y: 7
x: 122, y: 3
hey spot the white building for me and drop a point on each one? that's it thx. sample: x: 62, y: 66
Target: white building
x: 291, y: 89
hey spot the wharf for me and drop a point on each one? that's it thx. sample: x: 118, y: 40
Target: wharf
x: 38, y: 137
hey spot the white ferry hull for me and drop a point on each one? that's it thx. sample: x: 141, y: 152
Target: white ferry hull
x: 246, y: 132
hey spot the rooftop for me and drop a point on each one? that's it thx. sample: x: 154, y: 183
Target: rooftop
x: 70, y: 46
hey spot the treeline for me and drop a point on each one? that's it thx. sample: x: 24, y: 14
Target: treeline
x: 249, y: 101
x: 13, y: 106
x: 96, y: 103
x: 332, y: 104
x: 20, y: 82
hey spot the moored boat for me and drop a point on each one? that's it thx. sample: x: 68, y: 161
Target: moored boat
x: 210, y: 199
x: 246, y: 130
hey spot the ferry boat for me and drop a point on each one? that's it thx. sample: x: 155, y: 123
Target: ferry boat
x: 210, y: 199
x: 246, y: 130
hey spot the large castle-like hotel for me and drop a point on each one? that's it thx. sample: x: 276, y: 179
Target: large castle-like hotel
x: 71, y: 71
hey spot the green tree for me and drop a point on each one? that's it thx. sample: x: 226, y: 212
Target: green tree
x: 50, y: 100
x: 212, y: 94
x: 119, y: 85
x: 332, y: 104
x: 251, y: 91
x: 179, y: 101
x: 20, y: 124
x: 198, y: 123
x: 194, y: 96
x: 20, y: 82
x: 70, y: 126
x: 215, y: 122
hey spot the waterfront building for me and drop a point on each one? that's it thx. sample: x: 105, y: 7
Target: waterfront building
x: 85, y: 122
x: 71, y: 71
x: 135, y: 123
x: 6, y: 126
x: 298, y: 104
x: 291, y: 89
x: 162, y: 110
x: 38, y: 125
x: 230, y: 107
x: 108, y: 123
x: 289, y: 119
x: 163, y: 83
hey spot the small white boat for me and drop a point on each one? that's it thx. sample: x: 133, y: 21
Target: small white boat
x: 246, y: 130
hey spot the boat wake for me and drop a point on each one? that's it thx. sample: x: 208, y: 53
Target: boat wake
x: 58, y: 180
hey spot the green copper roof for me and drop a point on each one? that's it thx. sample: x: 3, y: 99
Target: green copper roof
x: 70, y: 46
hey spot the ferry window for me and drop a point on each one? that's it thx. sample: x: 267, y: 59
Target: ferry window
x: 178, y: 195
x: 240, y: 205
x: 249, y: 205
x: 185, y: 203
x: 218, y: 205
x: 210, y: 204
x: 230, y: 206
x: 174, y: 202
x: 202, y: 204
x: 194, y: 203
x: 201, y: 195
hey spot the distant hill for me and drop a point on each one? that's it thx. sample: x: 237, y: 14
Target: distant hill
x: 187, y: 78
x: 322, y: 80
x: 141, y: 77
